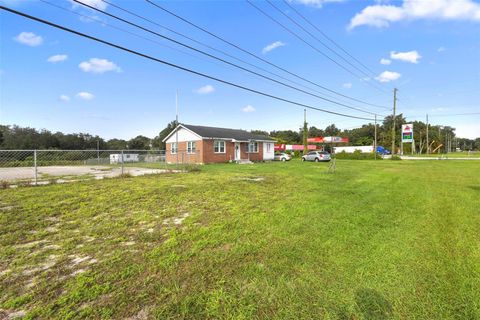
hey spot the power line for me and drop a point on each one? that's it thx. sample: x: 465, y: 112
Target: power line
x: 220, y: 51
x: 175, y: 65
x: 316, y: 38
x: 127, y: 32
x: 310, y: 45
x: 213, y: 48
x: 327, y: 37
x: 257, y: 57
x: 222, y: 60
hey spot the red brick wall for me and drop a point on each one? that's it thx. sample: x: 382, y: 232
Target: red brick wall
x: 183, y: 156
x: 254, y: 156
x: 209, y: 155
x: 205, y: 153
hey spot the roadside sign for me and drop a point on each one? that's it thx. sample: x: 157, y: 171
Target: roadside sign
x: 407, y: 132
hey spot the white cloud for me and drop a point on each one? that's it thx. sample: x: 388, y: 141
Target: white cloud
x: 29, y: 38
x: 205, y: 89
x: 441, y: 49
x: 272, y: 46
x: 248, y: 109
x: 85, y: 95
x: 96, y: 65
x: 409, y: 56
x: 387, y: 76
x: 382, y: 15
x: 347, y: 85
x: 385, y: 62
x: 65, y: 98
x: 57, y: 58
x: 99, y: 4
x: 315, y: 3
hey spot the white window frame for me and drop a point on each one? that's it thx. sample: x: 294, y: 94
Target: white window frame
x: 191, y: 147
x: 269, y: 146
x: 250, y: 145
x: 219, y: 146
x: 173, y: 148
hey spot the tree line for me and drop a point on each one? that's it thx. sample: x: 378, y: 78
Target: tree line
x: 16, y: 137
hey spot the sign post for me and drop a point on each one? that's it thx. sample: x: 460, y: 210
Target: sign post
x: 407, y: 136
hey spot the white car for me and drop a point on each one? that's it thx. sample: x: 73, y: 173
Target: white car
x: 282, y: 157
x: 317, y: 156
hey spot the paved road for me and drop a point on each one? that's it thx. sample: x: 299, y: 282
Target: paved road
x: 435, y: 158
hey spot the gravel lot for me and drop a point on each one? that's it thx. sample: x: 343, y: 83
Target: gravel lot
x: 72, y: 172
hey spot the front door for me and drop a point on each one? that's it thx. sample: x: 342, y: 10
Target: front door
x: 237, y: 150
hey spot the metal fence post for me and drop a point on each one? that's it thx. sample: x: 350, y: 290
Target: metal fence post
x: 122, y: 163
x: 35, y: 165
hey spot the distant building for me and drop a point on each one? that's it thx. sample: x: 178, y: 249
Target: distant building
x: 200, y: 144
x: 127, y: 157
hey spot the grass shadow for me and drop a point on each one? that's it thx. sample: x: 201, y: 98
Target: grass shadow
x: 373, y: 305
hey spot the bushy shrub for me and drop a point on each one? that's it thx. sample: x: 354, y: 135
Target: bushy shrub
x: 357, y: 155
x: 395, y: 157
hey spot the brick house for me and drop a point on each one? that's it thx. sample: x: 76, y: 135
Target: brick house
x: 199, y: 144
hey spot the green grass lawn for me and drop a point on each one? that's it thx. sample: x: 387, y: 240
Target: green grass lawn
x: 375, y: 240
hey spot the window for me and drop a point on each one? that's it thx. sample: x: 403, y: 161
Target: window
x: 269, y: 147
x: 191, y: 148
x: 219, y: 146
x: 173, y: 148
x: 253, y: 147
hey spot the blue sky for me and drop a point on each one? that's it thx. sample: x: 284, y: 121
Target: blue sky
x: 54, y: 80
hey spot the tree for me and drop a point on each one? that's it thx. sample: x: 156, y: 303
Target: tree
x: 315, y: 132
x: 385, y: 136
x: 286, y: 136
x: 332, y: 130
x: 139, y: 143
x: 259, y: 132
x: 157, y: 142
x: 116, y: 144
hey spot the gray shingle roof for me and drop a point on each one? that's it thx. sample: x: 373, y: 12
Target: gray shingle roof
x: 224, y: 133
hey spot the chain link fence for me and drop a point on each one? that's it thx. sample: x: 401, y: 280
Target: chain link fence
x: 58, y: 166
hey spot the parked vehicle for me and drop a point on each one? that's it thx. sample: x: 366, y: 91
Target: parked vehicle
x: 317, y: 156
x: 381, y: 150
x: 282, y: 156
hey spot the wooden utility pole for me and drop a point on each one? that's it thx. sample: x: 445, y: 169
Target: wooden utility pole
x: 394, y: 122
x: 305, y: 132
x: 427, y: 136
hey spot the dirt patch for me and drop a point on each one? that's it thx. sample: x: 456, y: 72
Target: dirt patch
x: 252, y: 179
x: 4, y: 314
x: 30, y: 244
x: 141, y: 315
x: 176, y: 220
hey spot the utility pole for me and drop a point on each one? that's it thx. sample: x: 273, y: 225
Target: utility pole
x: 394, y: 124
x: 176, y: 124
x: 375, y: 139
x: 305, y: 132
x: 428, y: 151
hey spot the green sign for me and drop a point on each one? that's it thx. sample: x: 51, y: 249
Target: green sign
x: 407, y: 136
